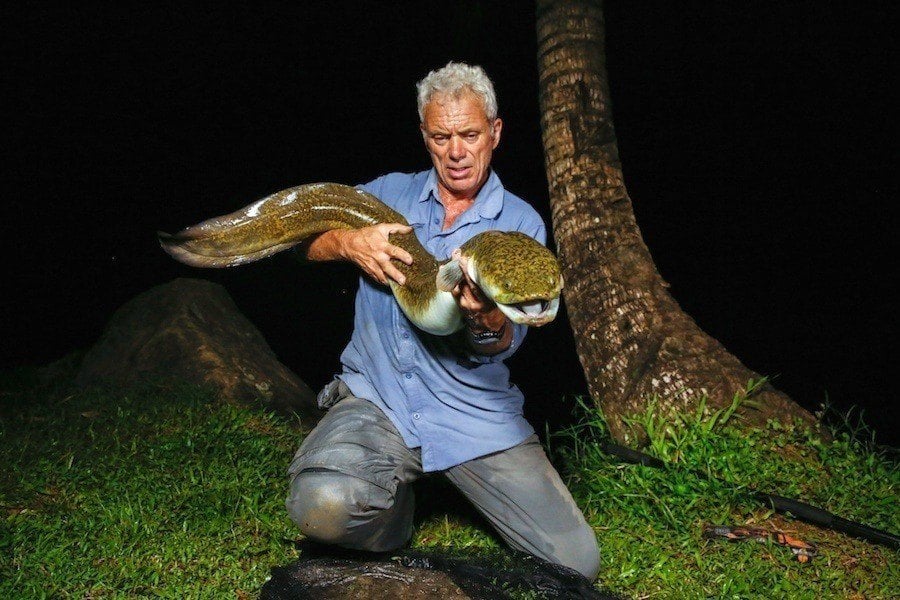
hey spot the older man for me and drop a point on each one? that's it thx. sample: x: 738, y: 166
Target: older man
x: 408, y: 402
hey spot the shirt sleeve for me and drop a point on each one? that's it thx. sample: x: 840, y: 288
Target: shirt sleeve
x: 533, y: 226
x: 374, y: 187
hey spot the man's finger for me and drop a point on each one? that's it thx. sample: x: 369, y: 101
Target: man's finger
x: 474, y: 289
x: 388, y: 228
x: 394, y: 273
x: 401, y: 255
x: 465, y: 297
x: 471, y: 301
x: 475, y: 292
x: 374, y: 275
x: 396, y: 276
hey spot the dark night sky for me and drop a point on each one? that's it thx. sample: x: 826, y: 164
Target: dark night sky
x: 756, y: 138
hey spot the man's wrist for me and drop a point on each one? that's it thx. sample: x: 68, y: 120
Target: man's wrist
x: 338, y: 237
x: 325, y: 246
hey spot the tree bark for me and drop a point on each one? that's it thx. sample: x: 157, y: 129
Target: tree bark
x: 634, y: 341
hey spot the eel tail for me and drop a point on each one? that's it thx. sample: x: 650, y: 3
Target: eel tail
x: 191, y: 251
x: 273, y: 224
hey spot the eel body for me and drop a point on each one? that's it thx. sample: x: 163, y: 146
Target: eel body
x: 514, y: 270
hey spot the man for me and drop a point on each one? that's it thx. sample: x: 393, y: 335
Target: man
x: 408, y: 402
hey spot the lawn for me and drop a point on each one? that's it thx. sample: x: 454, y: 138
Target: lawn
x: 167, y: 492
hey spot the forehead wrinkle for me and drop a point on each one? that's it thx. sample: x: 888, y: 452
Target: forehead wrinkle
x: 457, y: 120
x: 455, y: 108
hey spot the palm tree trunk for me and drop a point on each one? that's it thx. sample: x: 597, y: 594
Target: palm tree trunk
x: 633, y: 340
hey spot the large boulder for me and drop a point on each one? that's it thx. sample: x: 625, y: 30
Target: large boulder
x: 191, y: 330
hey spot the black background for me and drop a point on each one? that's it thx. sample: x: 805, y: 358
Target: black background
x: 757, y: 141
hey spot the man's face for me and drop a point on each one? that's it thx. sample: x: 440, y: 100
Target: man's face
x: 461, y: 140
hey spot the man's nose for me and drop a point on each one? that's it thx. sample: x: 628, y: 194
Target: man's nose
x: 457, y: 149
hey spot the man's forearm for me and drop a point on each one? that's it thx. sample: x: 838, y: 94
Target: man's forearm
x: 324, y: 247
x: 368, y: 247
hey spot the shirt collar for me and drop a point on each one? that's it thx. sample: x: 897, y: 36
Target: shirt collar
x: 488, y: 201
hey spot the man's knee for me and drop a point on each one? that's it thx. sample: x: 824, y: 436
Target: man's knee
x: 580, y: 552
x: 324, y: 504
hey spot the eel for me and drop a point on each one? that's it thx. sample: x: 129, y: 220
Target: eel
x: 515, y: 271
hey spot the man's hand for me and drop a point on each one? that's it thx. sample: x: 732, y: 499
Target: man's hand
x: 472, y: 302
x: 481, y: 316
x: 369, y: 248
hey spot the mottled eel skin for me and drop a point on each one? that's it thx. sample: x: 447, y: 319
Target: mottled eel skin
x: 514, y: 270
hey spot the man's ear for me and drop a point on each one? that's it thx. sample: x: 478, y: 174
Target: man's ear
x: 496, y: 127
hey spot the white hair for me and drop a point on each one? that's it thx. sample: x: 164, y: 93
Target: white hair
x: 454, y: 79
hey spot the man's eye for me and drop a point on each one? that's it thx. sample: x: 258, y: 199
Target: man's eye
x: 472, y: 136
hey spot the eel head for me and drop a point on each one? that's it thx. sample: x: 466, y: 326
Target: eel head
x: 515, y: 271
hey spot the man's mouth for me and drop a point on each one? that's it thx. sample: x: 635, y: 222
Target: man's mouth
x: 458, y: 172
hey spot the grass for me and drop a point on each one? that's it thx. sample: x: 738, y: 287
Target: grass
x: 649, y: 521
x: 166, y: 492
x: 162, y: 492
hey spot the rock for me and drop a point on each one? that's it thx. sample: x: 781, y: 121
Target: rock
x: 411, y: 575
x: 191, y: 330
x: 334, y: 579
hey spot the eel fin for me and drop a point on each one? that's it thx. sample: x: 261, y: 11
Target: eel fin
x: 449, y: 275
x: 175, y: 246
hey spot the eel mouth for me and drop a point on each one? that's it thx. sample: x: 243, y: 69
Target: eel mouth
x: 533, y: 313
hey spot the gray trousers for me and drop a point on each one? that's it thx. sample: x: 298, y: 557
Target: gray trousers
x: 351, y: 486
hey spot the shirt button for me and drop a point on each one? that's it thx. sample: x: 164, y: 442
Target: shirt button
x: 436, y: 221
x: 416, y: 416
x: 405, y: 335
x: 408, y: 375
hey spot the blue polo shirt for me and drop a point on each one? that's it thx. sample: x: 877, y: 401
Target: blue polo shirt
x: 453, y: 404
